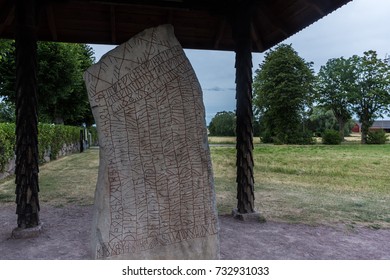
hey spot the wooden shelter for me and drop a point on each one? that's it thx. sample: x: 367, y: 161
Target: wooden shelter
x: 199, y: 24
x: 243, y: 26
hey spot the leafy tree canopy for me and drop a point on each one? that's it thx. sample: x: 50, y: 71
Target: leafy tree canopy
x: 370, y: 93
x: 7, y: 112
x: 321, y: 119
x: 333, y: 84
x: 358, y: 85
x: 223, y: 124
x: 62, y: 95
x: 282, y: 90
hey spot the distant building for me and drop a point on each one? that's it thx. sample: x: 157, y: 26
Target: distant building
x: 382, y: 124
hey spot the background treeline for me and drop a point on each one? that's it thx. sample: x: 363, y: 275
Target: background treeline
x: 62, y: 96
x: 63, y: 106
x: 292, y: 104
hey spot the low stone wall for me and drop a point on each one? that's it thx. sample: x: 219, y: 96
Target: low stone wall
x: 69, y: 149
x: 65, y: 151
x: 8, y: 170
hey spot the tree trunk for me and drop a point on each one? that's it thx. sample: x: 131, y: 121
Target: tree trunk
x: 27, y: 187
x: 241, y: 25
x: 365, y: 129
x: 341, y: 128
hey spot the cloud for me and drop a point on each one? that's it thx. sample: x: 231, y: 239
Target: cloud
x: 217, y: 88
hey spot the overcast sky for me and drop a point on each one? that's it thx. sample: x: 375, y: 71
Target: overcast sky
x: 356, y: 27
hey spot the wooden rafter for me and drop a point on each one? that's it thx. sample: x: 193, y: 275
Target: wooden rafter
x: 10, y: 16
x: 269, y: 14
x: 113, y: 24
x: 315, y: 7
x: 51, y: 22
x: 219, y: 35
x: 197, y: 23
x: 177, y: 4
x: 256, y: 37
x: 170, y: 16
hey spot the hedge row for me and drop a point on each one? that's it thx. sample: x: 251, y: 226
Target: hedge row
x: 7, y: 144
x: 53, y: 137
x: 50, y: 138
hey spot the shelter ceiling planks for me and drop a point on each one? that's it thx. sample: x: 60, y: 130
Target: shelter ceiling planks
x: 7, y: 15
x: 51, y: 22
x: 198, y: 24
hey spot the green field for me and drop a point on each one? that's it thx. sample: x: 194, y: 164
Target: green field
x: 228, y: 140
x: 317, y: 184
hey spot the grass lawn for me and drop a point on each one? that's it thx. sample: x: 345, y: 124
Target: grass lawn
x: 228, y: 140
x: 71, y: 179
x: 315, y: 184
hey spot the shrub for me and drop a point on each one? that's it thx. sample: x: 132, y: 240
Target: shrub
x: 266, y: 137
x: 301, y: 138
x: 45, y: 135
x: 376, y: 137
x: 50, y: 138
x: 223, y: 124
x: 331, y: 137
x: 295, y: 138
x: 7, y: 144
x: 94, y: 134
x: 53, y: 137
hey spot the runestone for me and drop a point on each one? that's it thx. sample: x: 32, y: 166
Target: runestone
x: 155, y: 195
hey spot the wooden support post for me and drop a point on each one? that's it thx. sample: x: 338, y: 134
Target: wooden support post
x: 242, y: 29
x: 27, y: 187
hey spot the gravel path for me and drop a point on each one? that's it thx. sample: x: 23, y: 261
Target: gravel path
x: 66, y: 236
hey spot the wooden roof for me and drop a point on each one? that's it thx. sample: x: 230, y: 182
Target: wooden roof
x: 199, y: 24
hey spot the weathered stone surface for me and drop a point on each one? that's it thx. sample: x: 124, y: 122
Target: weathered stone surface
x: 8, y: 170
x: 23, y: 233
x: 155, y: 195
x: 253, y: 216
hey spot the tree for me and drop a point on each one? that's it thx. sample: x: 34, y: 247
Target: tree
x: 333, y: 85
x: 321, y: 119
x: 5, y: 46
x: 282, y: 90
x: 7, y: 70
x: 370, y: 94
x: 7, y: 112
x: 62, y: 96
x: 223, y: 124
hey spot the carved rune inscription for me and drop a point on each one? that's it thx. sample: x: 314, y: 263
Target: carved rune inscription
x: 147, y: 103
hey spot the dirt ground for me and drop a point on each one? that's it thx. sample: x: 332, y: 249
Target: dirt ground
x: 66, y: 236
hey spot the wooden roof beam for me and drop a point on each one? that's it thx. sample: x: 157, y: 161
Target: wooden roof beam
x: 113, y: 24
x: 9, y: 10
x: 315, y: 7
x: 219, y: 35
x: 51, y: 22
x: 256, y: 37
x: 176, y: 4
x: 170, y: 16
x: 269, y: 14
